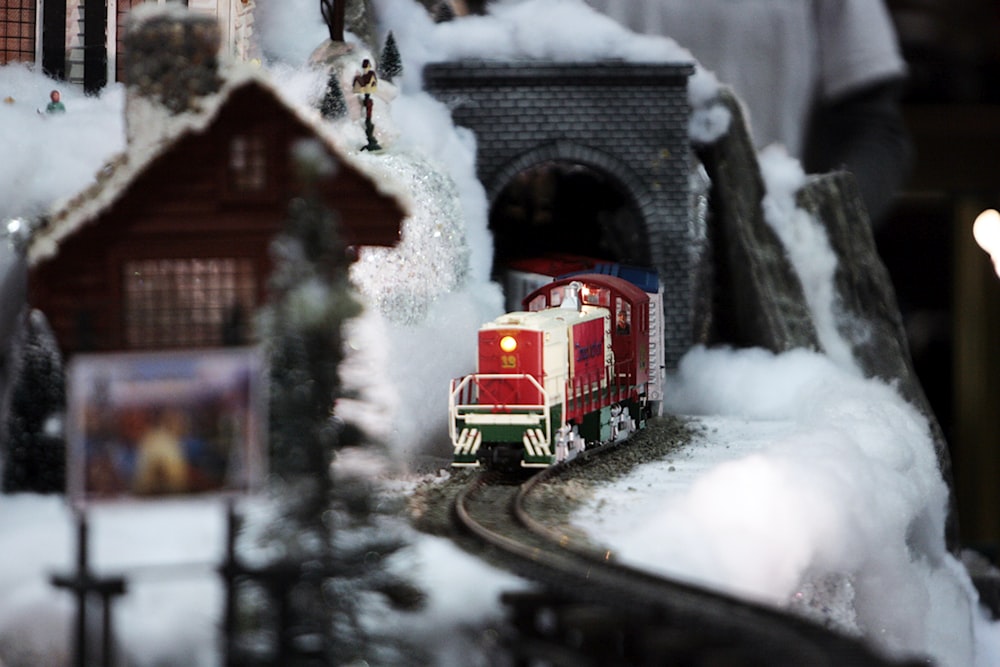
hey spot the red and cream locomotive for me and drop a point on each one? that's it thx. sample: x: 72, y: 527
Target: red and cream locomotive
x: 574, y: 370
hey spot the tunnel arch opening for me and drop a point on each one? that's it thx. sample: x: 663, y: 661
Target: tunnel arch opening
x: 559, y: 207
x: 565, y: 200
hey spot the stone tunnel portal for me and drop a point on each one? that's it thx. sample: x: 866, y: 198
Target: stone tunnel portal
x: 585, y: 158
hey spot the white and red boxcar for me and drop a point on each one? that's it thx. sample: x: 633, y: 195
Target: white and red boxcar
x: 571, y: 371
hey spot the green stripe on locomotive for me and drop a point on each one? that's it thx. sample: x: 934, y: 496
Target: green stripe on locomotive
x: 494, y: 433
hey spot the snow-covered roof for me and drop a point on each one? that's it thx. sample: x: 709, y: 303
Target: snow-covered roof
x: 153, y: 131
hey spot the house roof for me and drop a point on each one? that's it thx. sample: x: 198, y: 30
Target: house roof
x: 154, y: 131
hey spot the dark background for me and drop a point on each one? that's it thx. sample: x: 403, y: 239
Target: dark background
x: 947, y: 290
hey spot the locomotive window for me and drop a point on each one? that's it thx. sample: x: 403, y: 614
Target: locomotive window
x: 623, y: 316
x: 556, y: 296
x: 538, y: 303
x: 596, y: 297
x: 187, y: 302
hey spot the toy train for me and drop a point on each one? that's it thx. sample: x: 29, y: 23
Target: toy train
x: 577, y: 368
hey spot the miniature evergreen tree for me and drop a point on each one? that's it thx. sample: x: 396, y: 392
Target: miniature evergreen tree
x: 334, y: 105
x: 444, y: 12
x: 35, y: 457
x: 328, y: 571
x: 390, y: 65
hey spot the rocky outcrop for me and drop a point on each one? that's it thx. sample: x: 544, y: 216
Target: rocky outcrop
x: 758, y: 297
x: 758, y: 300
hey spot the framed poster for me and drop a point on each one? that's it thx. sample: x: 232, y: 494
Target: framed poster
x: 165, y: 423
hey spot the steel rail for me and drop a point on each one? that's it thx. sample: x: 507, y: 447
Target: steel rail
x: 579, y: 573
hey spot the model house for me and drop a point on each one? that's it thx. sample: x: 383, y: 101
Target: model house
x: 170, y: 247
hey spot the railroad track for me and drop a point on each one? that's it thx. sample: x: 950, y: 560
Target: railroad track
x: 597, y: 611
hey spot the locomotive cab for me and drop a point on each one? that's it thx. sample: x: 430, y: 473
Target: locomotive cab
x: 629, y: 306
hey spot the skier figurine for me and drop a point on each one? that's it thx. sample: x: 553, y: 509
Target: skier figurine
x: 365, y: 83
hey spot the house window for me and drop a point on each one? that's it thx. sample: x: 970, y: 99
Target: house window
x: 247, y: 164
x: 17, y: 31
x: 187, y: 302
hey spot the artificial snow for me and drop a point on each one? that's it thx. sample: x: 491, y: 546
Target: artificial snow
x: 812, y: 488
x: 807, y: 247
x: 47, y: 157
x: 805, y: 478
x: 168, y: 552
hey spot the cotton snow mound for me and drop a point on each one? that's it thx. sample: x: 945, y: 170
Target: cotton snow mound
x: 812, y: 487
x: 289, y: 30
x: 52, y: 156
x: 302, y: 86
x: 424, y: 126
x: 398, y: 374
x: 164, y: 619
x: 168, y: 551
x: 456, y: 628
x: 807, y: 246
x: 740, y: 382
x: 432, y: 256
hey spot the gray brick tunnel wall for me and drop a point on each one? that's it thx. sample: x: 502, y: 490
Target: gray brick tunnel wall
x: 627, y: 120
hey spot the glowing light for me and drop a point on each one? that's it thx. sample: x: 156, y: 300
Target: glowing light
x: 508, y: 343
x: 986, y: 230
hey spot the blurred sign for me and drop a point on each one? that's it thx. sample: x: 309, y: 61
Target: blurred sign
x: 165, y: 423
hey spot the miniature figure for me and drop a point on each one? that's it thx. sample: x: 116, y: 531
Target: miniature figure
x: 55, y: 105
x: 365, y: 83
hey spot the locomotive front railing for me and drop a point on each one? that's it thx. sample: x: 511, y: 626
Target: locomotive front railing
x: 470, y: 401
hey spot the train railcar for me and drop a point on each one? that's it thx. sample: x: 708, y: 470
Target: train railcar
x: 569, y: 372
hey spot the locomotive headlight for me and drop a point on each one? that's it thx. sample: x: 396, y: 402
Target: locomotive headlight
x: 508, y: 343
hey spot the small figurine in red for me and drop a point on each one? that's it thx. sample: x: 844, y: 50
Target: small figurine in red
x: 365, y: 83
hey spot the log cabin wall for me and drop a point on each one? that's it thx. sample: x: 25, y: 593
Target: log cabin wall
x: 18, y: 30
x: 184, y: 249
x: 122, y: 8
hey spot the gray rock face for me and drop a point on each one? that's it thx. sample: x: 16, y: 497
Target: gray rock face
x: 758, y: 297
x: 358, y: 18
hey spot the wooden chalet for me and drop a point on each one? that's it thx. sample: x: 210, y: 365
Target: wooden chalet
x: 170, y: 248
